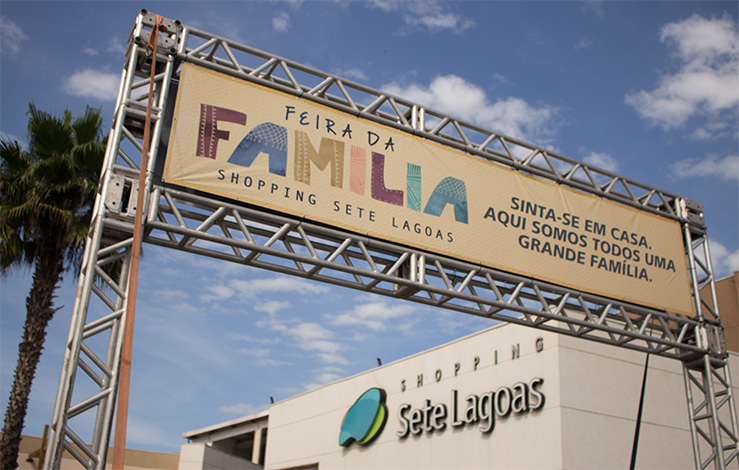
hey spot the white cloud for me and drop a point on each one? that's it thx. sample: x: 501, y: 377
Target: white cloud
x: 255, y: 287
x: 447, y: 320
x: 713, y: 128
x: 454, y: 95
x: 281, y: 22
x: 269, y: 362
x: 208, y: 268
x: 91, y: 83
x: 705, y: 84
x: 242, y: 409
x: 354, y: 74
x: 723, y: 261
x: 11, y: 36
x: 249, y: 339
x: 264, y: 357
x: 583, y: 43
x: 732, y: 261
x: 430, y: 15
x: 726, y: 168
x: 601, y: 160
x: 700, y: 39
x: 375, y: 315
x: 217, y: 293
x: 315, y: 338
x: 325, y: 375
x: 306, y: 332
x: 501, y: 78
x: 272, y: 307
x: 145, y: 433
x: 178, y: 330
x: 594, y: 7
x: 256, y: 352
x: 309, y: 336
x: 171, y: 295
x: 11, y: 138
x: 116, y: 45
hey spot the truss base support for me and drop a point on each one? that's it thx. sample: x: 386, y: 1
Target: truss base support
x: 712, y: 413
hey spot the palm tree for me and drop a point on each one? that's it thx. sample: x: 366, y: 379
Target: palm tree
x: 46, y: 199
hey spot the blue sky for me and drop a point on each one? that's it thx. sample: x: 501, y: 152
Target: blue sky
x: 649, y: 90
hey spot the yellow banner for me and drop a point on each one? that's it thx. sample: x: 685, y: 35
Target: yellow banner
x: 250, y: 143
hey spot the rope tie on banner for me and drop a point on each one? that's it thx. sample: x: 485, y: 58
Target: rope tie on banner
x: 124, y: 384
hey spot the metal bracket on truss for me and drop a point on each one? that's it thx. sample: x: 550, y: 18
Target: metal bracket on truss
x: 711, y: 339
x: 167, y: 41
x: 717, y: 342
x: 122, y: 195
x: 168, y: 38
x: 692, y: 212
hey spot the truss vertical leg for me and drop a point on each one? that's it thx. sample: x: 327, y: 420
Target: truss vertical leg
x: 85, y: 402
x: 711, y: 406
x: 712, y: 412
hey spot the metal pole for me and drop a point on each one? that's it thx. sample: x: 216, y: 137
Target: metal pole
x: 634, y: 446
x: 119, y: 446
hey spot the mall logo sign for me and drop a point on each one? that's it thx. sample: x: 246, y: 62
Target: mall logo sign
x: 483, y: 409
x: 366, y: 418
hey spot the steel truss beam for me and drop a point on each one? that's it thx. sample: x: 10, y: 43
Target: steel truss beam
x: 248, y: 236
x: 708, y: 386
x: 209, y: 226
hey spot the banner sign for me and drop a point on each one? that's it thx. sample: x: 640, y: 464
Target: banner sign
x: 246, y: 142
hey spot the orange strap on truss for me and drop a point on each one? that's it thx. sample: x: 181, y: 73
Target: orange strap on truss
x: 124, y: 384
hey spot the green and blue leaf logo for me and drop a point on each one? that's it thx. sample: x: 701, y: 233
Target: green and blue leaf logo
x: 366, y: 418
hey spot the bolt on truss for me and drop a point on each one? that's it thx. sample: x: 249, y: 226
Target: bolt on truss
x: 243, y: 234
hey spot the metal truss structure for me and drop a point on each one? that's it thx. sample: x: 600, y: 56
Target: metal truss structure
x: 211, y: 226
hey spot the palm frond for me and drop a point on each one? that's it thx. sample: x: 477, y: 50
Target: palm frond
x: 48, y: 136
x: 87, y: 126
x: 47, y: 192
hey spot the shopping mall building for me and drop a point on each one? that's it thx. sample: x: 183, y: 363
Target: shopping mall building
x: 507, y: 397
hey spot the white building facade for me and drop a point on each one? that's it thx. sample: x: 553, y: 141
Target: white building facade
x: 507, y: 397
